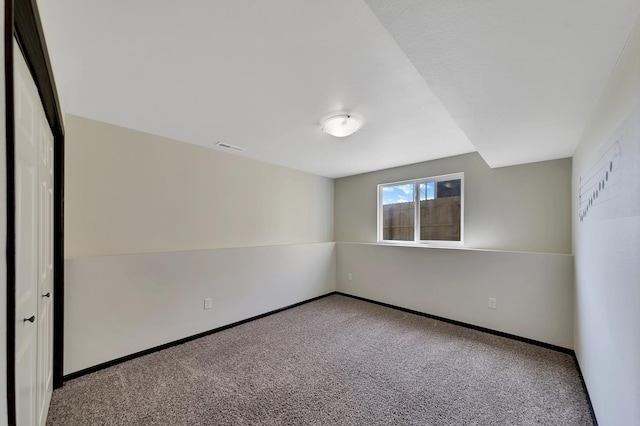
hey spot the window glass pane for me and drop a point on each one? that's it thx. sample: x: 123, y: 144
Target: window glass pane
x: 448, y: 188
x: 440, y: 215
x: 427, y: 191
x: 398, y: 212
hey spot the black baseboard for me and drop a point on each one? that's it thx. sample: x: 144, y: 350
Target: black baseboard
x: 494, y: 332
x: 466, y: 325
x: 586, y: 391
x: 125, y: 358
x: 111, y: 363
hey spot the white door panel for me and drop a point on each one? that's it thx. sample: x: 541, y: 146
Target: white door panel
x: 45, y: 271
x: 34, y: 250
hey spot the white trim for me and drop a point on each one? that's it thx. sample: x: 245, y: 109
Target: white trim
x: 428, y: 178
x: 416, y: 210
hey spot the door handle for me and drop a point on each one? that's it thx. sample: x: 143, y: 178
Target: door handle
x: 47, y: 295
x: 32, y: 319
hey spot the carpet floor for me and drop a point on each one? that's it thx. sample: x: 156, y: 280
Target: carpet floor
x: 333, y: 361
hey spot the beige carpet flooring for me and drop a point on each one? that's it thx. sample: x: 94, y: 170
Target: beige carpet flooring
x: 334, y: 361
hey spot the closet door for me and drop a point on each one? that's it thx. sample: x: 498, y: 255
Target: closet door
x: 44, y: 370
x: 34, y: 238
x: 26, y: 178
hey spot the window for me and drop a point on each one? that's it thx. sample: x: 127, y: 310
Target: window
x: 422, y: 210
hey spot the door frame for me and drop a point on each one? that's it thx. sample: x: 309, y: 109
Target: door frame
x: 22, y: 21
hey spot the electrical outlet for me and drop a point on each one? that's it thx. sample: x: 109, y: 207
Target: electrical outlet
x: 349, y: 276
x: 492, y: 303
x: 208, y: 303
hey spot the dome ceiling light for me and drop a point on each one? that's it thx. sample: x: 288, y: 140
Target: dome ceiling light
x: 341, y: 125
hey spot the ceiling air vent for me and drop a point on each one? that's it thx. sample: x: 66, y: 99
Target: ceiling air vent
x: 230, y: 147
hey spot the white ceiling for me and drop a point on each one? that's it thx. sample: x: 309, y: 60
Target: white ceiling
x: 520, y: 78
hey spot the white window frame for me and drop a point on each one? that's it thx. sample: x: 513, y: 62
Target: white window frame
x: 416, y: 201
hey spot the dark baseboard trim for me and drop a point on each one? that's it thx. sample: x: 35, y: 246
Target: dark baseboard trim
x: 116, y: 361
x: 494, y: 332
x: 120, y: 360
x: 466, y: 325
x: 125, y: 358
x: 586, y: 391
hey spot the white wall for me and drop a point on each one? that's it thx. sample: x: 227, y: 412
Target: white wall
x: 519, y: 208
x: 154, y: 226
x: 118, y: 305
x: 607, y: 247
x: 534, y: 291
x: 132, y: 192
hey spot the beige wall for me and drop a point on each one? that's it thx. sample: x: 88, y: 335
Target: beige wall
x: 524, y: 208
x: 534, y: 291
x: 132, y: 192
x: 607, y: 248
x: 519, y: 208
x: 146, y: 300
x: 155, y: 226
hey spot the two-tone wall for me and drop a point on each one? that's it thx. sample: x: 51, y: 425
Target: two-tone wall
x: 519, y: 208
x: 606, y: 244
x: 517, y: 238
x: 155, y: 226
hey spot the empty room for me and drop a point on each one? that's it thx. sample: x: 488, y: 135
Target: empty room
x: 358, y: 212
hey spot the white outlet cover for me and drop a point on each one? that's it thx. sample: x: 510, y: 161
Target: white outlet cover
x: 207, y: 303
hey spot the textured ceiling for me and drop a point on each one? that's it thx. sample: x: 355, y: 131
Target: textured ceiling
x: 518, y: 78
x: 521, y: 78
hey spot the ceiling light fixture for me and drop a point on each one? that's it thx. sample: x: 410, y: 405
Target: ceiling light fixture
x: 341, y: 125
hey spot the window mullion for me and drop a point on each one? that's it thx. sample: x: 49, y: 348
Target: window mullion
x: 416, y: 200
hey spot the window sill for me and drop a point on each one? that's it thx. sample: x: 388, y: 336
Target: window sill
x: 434, y: 244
